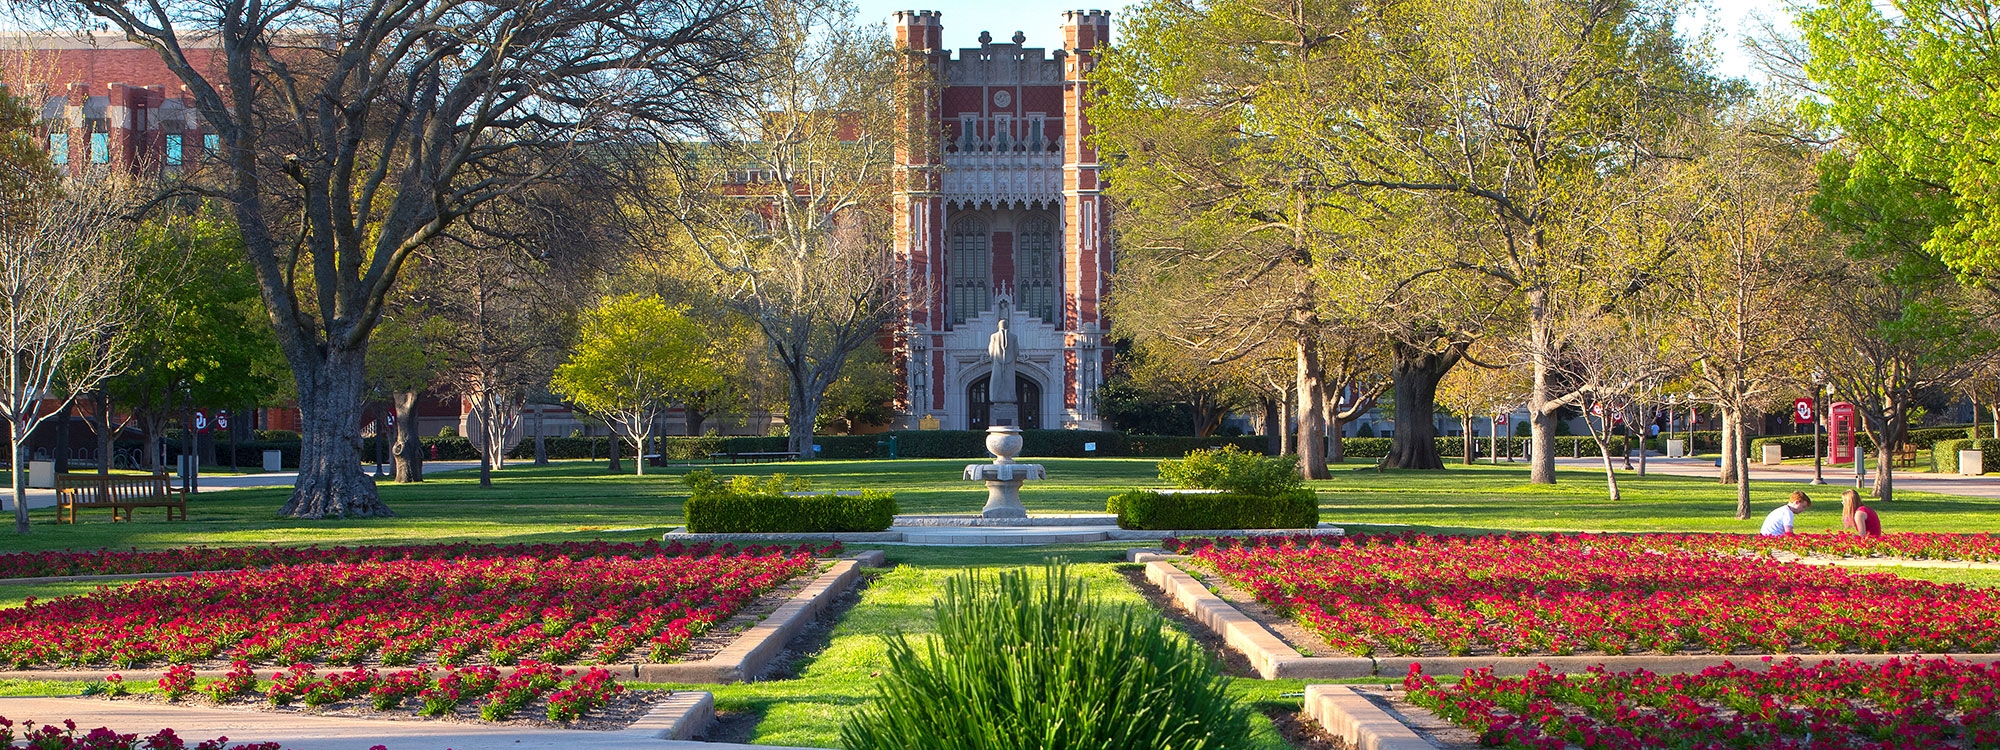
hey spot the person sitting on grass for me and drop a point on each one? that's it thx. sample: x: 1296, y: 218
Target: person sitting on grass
x: 1779, y: 523
x: 1858, y: 518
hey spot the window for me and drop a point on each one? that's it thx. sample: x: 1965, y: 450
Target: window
x: 971, y: 269
x: 173, y: 149
x: 100, y: 148
x: 211, y: 143
x: 1035, y: 270
x: 59, y: 147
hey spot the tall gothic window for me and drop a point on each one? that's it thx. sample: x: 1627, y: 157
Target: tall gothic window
x: 1035, y: 272
x: 971, y: 269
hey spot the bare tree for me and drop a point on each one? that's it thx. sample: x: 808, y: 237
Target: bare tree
x: 802, y: 247
x: 352, y: 135
x: 61, y: 278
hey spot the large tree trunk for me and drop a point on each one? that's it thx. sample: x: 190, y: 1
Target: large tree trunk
x: 1465, y: 436
x: 691, y: 420
x: 106, y: 444
x: 802, y: 414
x: 409, y: 447
x: 612, y: 454
x: 1415, y: 375
x: 1274, y: 430
x: 1312, y: 413
x: 62, y: 438
x: 17, y: 473
x: 331, y: 483
x: 1741, y: 430
x: 1726, y: 433
x: 1541, y: 413
x: 1287, y: 413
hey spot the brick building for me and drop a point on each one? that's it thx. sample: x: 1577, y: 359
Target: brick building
x: 1001, y: 215
x: 106, y: 101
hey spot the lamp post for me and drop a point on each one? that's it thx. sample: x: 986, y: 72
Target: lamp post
x: 1819, y: 421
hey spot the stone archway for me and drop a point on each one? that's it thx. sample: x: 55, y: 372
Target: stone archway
x: 1026, y: 389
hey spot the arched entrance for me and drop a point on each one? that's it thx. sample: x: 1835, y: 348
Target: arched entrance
x: 1028, y: 391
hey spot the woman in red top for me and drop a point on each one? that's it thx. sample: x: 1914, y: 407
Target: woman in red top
x: 1858, y: 518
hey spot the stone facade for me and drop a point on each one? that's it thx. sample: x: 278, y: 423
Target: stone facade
x: 999, y: 212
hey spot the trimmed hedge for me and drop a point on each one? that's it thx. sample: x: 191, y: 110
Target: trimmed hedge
x: 1801, y: 446
x: 1944, y: 453
x: 1449, y: 447
x: 777, y: 513
x: 1147, y: 509
x: 909, y: 444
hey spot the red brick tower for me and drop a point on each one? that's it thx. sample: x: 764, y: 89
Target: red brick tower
x: 998, y: 214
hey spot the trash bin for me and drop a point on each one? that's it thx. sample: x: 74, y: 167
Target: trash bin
x: 274, y: 460
x: 42, y: 475
x: 1972, y: 463
x: 1774, y: 454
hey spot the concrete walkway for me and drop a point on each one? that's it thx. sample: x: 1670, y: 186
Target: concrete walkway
x: 298, y: 732
x: 1836, y: 477
x: 216, y: 482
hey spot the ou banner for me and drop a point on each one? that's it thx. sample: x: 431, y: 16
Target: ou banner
x: 1803, y: 411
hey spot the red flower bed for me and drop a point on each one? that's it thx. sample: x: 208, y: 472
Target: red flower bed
x: 1915, y: 546
x: 494, y: 610
x: 108, y: 561
x: 1520, y: 595
x: 1906, y: 703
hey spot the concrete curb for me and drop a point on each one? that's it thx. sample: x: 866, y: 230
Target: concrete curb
x: 1344, y: 713
x: 1274, y: 659
x: 1267, y: 653
x: 945, y: 535
x: 682, y: 716
x: 746, y: 657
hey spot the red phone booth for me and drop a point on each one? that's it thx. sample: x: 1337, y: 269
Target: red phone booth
x: 1840, y: 429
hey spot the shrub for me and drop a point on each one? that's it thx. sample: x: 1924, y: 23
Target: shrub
x: 748, y: 505
x: 1944, y: 453
x: 1232, y: 469
x: 1034, y: 661
x: 278, y: 436
x: 1291, y: 509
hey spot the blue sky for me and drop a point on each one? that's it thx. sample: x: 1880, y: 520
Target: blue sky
x: 1042, y: 21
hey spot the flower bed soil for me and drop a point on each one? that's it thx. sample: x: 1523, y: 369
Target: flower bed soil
x: 1906, y: 703
x: 620, y: 712
x: 192, y: 559
x: 492, y: 610
x: 1419, y: 595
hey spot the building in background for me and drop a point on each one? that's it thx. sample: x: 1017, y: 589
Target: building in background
x: 999, y: 213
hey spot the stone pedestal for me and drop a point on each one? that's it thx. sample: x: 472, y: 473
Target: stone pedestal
x: 1003, y: 477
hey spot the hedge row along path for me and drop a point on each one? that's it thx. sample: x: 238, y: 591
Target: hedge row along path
x: 452, y: 611
x: 1563, y: 595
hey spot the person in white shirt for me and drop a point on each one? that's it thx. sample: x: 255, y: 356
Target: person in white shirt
x: 1779, y: 523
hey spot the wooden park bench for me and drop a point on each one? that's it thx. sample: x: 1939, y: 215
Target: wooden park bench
x: 119, y: 492
x: 757, y: 457
x: 1906, y: 457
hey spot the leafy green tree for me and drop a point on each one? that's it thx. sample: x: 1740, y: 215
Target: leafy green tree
x: 1909, y: 86
x: 635, y: 357
x: 200, y: 339
x: 864, y: 394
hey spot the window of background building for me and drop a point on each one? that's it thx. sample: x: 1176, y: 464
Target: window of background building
x: 173, y: 149
x: 1035, y: 272
x: 971, y: 269
x: 100, y: 148
x: 59, y: 147
x: 211, y: 143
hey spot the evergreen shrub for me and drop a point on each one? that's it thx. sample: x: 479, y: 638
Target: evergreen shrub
x: 780, y: 505
x: 1231, y: 469
x: 1022, y: 661
x: 1158, y: 511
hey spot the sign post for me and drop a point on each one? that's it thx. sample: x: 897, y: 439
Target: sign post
x: 1806, y: 411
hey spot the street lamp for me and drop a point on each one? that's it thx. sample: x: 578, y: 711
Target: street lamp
x: 1819, y: 419
x: 1673, y: 412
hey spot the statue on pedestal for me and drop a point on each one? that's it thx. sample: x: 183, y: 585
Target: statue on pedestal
x: 1003, y: 347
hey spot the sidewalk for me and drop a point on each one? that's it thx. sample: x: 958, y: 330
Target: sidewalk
x: 296, y: 732
x: 1945, y: 484
x: 220, y: 482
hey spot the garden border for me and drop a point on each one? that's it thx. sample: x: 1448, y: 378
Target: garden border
x: 684, y: 714
x: 742, y: 659
x: 1346, y: 714
x: 1274, y: 659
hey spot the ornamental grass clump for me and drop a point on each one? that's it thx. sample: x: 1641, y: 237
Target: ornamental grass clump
x: 1034, y: 661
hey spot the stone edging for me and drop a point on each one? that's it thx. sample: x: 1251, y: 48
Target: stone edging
x: 742, y: 659
x: 1273, y: 659
x: 1348, y: 715
x: 684, y: 714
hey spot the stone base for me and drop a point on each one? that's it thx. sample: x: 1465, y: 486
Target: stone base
x: 1003, y: 499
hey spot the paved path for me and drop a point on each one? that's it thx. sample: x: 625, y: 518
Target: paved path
x: 1842, y: 477
x: 299, y: 732
x: 215, y: 482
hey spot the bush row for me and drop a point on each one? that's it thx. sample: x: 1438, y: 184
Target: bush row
x: 1944, y: 453
x: 909, y: 444
x: 1801, y: 446
x: 1148, y: 509
x: 1448, y: 447
x: 775, y: 513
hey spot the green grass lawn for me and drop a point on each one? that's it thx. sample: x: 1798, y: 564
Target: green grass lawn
x: 578, y: 500
x: 806, y: 710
